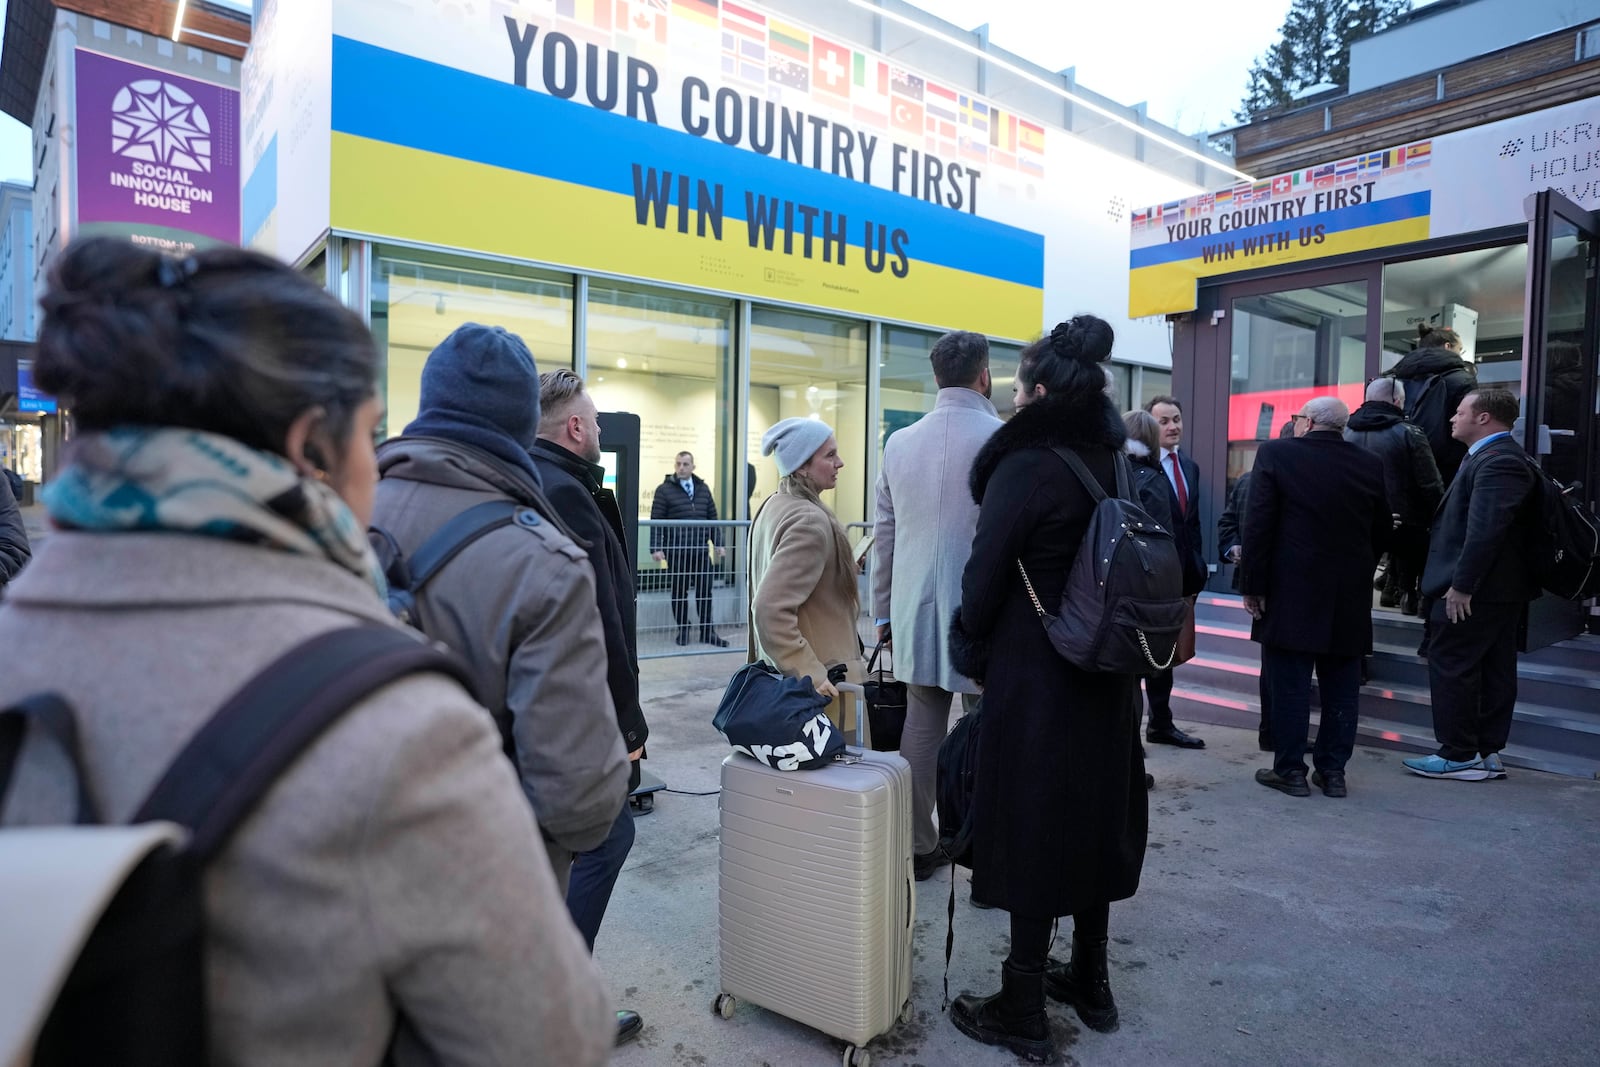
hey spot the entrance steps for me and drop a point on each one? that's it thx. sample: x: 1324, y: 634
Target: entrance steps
x: 1557, y: 724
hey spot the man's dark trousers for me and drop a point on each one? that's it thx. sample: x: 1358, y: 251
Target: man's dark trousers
x: 594, y: 875
x: 690, y: 565
x: 1472, y: 673
x: 1339, y: 687
x: 1158, y: 690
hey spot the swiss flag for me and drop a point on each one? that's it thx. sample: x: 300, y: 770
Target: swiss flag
x: 830, y: 67
x: 907, y: 116
x: 1282, y: 184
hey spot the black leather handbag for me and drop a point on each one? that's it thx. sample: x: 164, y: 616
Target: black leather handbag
x: 886, y: 704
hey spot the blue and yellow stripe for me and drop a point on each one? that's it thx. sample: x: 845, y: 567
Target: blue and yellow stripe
x: 423, y: 152
x: 1162, y: 278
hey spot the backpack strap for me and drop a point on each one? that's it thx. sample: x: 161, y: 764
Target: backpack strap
x: 450, y: 539
x: 52, y: 716
x: 1119, y: 463
x: 237, y: 756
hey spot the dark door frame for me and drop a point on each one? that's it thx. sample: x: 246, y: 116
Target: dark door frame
x: 1551, y: 619
x: 1202, y: 382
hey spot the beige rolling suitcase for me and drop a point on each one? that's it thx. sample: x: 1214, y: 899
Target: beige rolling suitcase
x: 815, y: 893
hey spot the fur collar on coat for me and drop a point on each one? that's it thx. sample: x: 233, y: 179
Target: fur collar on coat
x: 1049, y: 423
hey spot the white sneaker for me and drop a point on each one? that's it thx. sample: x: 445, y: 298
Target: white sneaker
x: 1492, y: 765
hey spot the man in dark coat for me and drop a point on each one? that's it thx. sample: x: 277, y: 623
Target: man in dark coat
x: 1184, y: 474
x: 1411, y: 479
x: 684, y: 496
x: 1316, y: 520
x: 567, y: 455
x: 1436, y: 378
x: 1477, y: 579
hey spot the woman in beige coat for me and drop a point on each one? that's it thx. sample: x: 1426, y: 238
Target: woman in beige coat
x: 390, y: 887
x: 804, y: 602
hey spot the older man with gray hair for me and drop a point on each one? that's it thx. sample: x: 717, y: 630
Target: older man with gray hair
x: 1317, y: 518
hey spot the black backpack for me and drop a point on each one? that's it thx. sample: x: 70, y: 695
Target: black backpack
x: 1429, y: 408
x: 1123, y: 607
x: 1565, y: 544
x: 406, y: 577
x: 135, y: 993
x: 957, y: 780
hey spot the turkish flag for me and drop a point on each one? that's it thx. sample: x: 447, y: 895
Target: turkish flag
x: 907, y: 116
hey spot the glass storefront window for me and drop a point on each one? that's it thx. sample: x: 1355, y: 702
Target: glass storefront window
x: 1153, y: 383
x: 905, y: 377
x: 419, y: 297
x: 668, y: 358
x: 1288, y: 347
x: 1003, y: 362
x: 1122, y: 384
x: 1479, y: 294
x: 811, y: 366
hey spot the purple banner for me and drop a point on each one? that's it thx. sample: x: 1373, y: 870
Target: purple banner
x: 158, y: 155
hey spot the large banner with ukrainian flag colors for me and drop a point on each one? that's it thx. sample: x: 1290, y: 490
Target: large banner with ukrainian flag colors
x: 1354, y: 205
x: 1466, y: 181
x: 693, y: 142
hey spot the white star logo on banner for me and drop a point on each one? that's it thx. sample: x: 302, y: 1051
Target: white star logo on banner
x: 158, y: 122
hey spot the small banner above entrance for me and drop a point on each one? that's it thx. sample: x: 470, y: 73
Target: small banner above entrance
x: 1355, y: 205
x: 1457, y: 183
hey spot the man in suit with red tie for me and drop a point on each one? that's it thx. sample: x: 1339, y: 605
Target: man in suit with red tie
x: 1184, y: 474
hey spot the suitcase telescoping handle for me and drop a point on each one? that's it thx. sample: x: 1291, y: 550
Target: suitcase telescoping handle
x: 860, y: 693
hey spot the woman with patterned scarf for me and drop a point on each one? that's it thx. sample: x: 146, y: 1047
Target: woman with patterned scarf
x: 211, y: 516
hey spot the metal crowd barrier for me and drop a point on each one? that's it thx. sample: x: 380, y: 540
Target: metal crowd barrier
x: 658, y: 631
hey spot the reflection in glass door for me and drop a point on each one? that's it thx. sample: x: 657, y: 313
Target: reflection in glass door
x: 1286, y: 348
x: 1559, y: 376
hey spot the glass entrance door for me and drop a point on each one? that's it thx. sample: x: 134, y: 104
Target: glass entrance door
x: 1559, y: 424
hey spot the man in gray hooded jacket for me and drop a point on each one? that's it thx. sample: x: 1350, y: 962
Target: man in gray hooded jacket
x: 519, y: 602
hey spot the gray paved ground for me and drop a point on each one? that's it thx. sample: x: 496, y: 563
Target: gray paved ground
x: 1416, y: 922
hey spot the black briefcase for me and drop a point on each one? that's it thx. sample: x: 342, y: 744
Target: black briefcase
x: 886, y: 704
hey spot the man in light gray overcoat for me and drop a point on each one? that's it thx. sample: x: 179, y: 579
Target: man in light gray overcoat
x: 922, y: 537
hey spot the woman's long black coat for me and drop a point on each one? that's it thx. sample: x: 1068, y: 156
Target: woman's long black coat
x: 1060, y: 809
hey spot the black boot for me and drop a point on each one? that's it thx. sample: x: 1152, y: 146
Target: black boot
x: 683, y: 635
x: 1083, y: 982
x: 1013, y: 1018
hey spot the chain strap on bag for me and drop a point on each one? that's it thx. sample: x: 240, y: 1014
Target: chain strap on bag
x: 1050, y: 620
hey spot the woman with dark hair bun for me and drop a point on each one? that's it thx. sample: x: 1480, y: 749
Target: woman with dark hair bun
x: 1059, y: 803
x: 211, y: 515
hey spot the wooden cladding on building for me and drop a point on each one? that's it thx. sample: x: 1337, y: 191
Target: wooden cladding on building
x: 214, y: 30
x: 1535, y: 74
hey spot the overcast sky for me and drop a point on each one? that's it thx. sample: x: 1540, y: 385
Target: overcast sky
x: 1189, y: 64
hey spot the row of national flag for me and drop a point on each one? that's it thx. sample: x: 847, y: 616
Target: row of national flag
x: 1367, y: 167
x: 795, y: 66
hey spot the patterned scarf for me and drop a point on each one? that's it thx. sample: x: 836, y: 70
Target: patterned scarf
x: 141, y: 478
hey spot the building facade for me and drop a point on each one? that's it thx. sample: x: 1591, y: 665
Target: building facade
x: 721, y: 214
x: 20, y: 437
x: 1313, y: 279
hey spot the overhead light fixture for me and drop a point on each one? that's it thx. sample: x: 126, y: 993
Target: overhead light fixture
x: 622, y: 364
x: 177, y: 20
x: 1054, y: 87
x: 438, y: 304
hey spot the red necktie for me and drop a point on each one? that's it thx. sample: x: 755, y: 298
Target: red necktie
x: 1177, y: 481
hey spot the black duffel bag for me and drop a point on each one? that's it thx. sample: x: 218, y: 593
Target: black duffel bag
x: 886, y: 704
